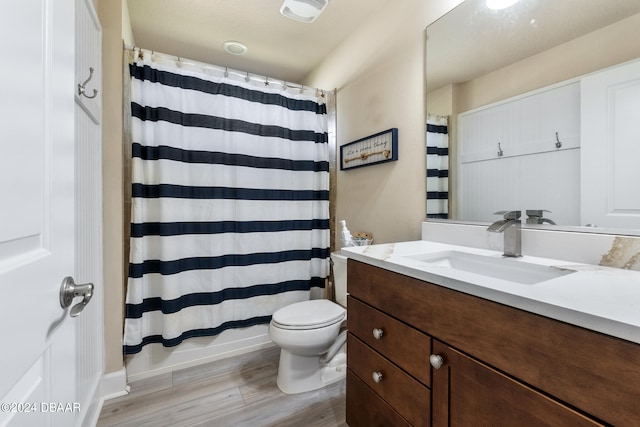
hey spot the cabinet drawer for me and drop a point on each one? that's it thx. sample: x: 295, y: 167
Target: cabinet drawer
x: 406, y: 346
x: 367, y: 409
x: 392, y: 293
x: 411, y: 399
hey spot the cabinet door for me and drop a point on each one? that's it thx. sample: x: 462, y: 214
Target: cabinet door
x: 466, y: 392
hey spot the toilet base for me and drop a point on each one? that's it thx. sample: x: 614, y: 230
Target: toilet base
x: 297, y: 374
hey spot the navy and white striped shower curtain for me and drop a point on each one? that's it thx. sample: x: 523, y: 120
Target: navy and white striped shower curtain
x: 230, y: 203
x: 437, y: 167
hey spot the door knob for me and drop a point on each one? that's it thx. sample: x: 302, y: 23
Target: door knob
x: 436, y: 361
x: 377, y: 333
x: 69, y: 290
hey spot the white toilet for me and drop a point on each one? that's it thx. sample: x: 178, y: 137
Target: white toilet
x: 312, y: 336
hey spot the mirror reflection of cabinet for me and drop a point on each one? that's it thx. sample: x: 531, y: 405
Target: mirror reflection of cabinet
x: 522, y: 153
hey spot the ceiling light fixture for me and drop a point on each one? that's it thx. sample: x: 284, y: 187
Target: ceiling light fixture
x: 303, y: 10
x: 500, y: 4
x: 235, y: 48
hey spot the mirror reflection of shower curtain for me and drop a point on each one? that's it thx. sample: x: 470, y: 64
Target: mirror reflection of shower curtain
x: 230, y: 202
x: 437, y: 167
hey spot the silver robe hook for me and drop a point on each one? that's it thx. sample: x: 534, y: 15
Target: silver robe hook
x: 81, y: 86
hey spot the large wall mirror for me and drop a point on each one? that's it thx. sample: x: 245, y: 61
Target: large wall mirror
x: 509, y: 103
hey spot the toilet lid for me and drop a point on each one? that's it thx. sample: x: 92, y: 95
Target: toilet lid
x: 309, y: 314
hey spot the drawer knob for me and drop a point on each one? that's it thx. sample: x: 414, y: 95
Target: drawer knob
x: 436, y: 361
x: 377, y: 333
x: 377, y: 377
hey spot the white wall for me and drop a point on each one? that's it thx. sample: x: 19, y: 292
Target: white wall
x: 110, y: 14
x: 379, y: 76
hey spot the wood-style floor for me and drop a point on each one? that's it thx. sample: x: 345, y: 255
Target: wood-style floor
x: 239, y: 391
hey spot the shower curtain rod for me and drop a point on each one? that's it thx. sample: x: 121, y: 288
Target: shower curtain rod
x: 226, y: 71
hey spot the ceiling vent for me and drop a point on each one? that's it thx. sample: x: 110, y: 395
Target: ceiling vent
x: 303, y: 10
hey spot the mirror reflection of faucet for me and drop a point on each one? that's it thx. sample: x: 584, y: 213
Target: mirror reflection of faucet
x: 536, y: 216
x: 510, y: 227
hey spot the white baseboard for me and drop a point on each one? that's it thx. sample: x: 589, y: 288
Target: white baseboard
x: 114, y: 384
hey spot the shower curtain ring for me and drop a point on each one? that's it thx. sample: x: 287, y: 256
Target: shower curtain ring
x: 81, y: 86
x: 558, y: 143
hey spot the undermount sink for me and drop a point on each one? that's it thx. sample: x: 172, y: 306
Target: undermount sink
x: 491, y: 266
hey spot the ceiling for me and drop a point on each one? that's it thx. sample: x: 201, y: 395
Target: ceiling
x: 471, y: 40
x: 278, y: 47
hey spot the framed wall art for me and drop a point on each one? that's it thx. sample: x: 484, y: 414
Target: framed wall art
x: 379, y: 148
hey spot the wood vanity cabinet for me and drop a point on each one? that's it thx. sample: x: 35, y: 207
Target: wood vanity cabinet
x: 498, y: 365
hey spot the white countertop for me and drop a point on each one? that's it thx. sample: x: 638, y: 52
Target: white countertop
x: 599, y: 298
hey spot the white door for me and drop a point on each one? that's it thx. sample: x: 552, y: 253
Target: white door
x: 37, y: 220
x: 610, y: 132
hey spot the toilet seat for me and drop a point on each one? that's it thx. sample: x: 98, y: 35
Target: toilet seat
x: 311, y: 314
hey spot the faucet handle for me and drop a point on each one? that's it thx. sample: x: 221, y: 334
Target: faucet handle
x: 509, y: 214
x: 537, y: 212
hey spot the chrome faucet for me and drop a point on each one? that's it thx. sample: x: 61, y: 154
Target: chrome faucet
x: 537, y: 217
x: 510, y: 227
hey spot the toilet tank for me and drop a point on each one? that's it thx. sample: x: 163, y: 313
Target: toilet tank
x: 340, y: 277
